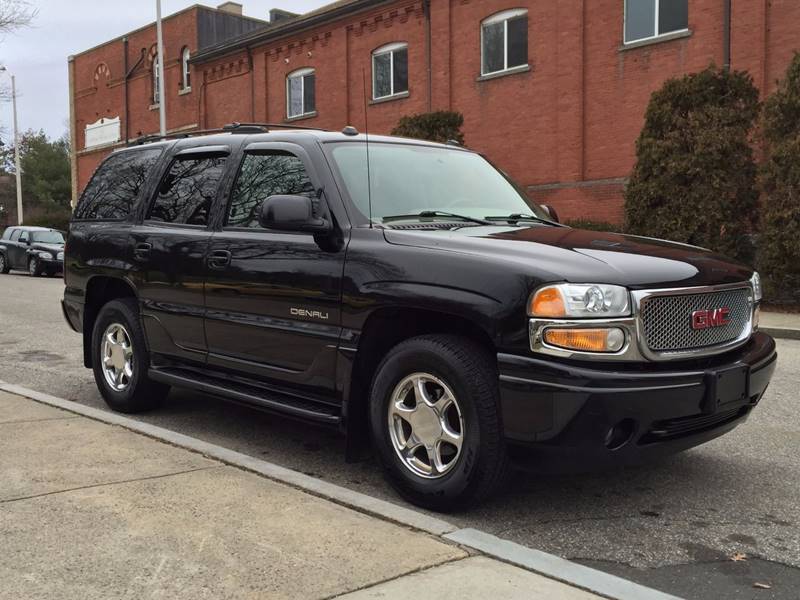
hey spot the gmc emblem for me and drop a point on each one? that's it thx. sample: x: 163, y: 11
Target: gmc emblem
x: 705, y: 319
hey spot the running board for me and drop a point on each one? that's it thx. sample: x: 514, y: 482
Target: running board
x: 251, y: 395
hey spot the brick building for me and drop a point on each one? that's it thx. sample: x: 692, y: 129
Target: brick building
x: 553, y: 92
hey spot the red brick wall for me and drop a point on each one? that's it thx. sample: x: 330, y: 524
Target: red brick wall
x: 566, y: 128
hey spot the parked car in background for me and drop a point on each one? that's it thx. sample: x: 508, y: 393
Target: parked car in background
x: 410, y: 294
x: 38, y: 250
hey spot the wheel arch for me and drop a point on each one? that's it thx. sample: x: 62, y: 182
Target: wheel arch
x: 384, y: 329
x: 100, y: 290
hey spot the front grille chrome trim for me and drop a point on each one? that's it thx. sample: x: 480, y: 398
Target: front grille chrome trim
x: 642, y: 297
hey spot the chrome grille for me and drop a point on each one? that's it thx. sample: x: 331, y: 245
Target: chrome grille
x: 667, y: 320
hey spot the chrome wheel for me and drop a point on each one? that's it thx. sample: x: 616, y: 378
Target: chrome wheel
x: 425, y: 425
x: 117, y: 356
x: 2, y: 264
x: 33, y: 266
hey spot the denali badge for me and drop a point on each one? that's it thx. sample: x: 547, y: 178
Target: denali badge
x: 704, y: 319
x: 311, y: 314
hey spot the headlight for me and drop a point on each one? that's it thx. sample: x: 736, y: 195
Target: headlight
x: 45, y: 255
x: 572, y: 300
x: 755, y: 282
x: 60, y: 256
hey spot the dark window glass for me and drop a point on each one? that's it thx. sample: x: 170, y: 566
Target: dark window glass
x: 673, y: 15
x: 15, y: 235
x: 383, y: 75
x: 640, y: 19
x: 187, y: 192
x: 116, y: 185
x: 400, y: 71
x: 309, y: 93
x: 7, y: 233
x: 517, y: 42
x: 262, y: 176
x: 493, y: 47
x: 24, y: 236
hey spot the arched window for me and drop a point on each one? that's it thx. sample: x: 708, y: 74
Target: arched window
x: 504, y: 42
x: 390, y: 71
x: 186, y: 71
x: 301, y: 94
x: 156, y: 96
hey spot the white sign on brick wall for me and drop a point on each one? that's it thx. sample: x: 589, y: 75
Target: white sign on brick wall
x: 105, y: 131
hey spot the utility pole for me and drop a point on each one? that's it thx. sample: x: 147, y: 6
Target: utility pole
x: 17, y: 167
x: 162, y: 97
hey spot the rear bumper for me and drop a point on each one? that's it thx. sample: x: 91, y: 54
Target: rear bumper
x: 563, y: 415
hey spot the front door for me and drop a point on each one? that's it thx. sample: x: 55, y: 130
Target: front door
x: 18, y: 250
x: 272, y: 298
x: 169, y: 249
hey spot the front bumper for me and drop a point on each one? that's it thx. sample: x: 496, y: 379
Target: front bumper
x: 51, y: 264
x: 573, y: 416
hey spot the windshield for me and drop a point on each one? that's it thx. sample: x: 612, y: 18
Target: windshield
x: 409, y: 179
x: 47, y: 237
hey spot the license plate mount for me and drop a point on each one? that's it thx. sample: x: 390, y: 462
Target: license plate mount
x: 726, y: 386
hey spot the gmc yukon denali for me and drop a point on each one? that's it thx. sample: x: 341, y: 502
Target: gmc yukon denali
x: 410, y: 294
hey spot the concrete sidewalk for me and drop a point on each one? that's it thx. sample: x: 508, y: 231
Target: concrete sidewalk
x: 92, y: 510
x: 780, y: 325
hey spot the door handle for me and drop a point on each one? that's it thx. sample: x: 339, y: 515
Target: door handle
x: 219, y: 259
x: 142, y: 251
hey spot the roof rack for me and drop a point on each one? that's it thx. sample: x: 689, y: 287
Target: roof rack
x: 265, y: 127
x: 239, y: 128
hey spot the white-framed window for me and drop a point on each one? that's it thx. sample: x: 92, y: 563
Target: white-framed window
x: 186, y: 71
x: 648, y: 19
x: 301, y: 95
x: 390, y: 71
x: 156, y: 97
x: 504, y: 41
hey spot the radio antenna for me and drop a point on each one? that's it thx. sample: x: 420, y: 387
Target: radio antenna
x: 366, y: 137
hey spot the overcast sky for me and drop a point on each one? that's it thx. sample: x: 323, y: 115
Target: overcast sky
x: 38, y: 55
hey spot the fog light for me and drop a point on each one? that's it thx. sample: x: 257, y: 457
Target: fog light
x: 587, y: 340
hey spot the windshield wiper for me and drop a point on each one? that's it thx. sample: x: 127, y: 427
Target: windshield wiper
x: 429, y: 214
x: 516, y: 217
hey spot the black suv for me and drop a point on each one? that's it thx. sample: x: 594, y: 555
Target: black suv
x: 408, y: 293
x: 38, y: 250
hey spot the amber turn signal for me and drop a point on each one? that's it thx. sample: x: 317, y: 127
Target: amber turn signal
x: 586, y: 340
x: 548, y: 302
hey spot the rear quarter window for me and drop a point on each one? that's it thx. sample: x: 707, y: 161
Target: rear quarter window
x: 116, y: 184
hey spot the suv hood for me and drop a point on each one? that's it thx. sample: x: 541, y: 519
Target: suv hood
x: 48, y: 247
x: 580, y: 256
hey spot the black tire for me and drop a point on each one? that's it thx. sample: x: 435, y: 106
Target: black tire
x: 469, y: 370
x: 35, y: 267
x: 4, y: 266
x: 140, y: 394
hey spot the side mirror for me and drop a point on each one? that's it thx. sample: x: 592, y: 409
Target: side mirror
x: 551, y: 212
x: 291, y: 213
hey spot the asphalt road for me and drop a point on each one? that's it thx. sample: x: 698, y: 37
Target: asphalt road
x: 674, y: 525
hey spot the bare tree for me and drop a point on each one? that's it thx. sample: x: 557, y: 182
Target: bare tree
x: 15, y: 14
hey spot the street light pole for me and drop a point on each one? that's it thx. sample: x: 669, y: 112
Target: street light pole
x: 162, y: 97
x: 16, y: 150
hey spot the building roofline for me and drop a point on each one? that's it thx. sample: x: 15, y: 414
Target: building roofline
x: 119, y: 38
x: 322, y: 15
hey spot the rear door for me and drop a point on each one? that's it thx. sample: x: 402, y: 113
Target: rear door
x: 170, y: 247
x: 273, y: 297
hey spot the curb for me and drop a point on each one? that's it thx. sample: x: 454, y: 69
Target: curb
x: 549, y: 565
x: 784, y: 333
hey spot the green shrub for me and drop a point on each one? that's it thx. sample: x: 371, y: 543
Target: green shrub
x: 594, y: 225
x: 695, y: 176
x: 442, y: 126
x: 779, y: 247
x: 52, y: 218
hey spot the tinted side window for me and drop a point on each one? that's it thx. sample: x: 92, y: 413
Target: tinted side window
x: 24, y: 236
x: 7, y: 233
x: 261, y: 176
x: 15, y: 235
x: 187, y: 192
x: 116, y: 185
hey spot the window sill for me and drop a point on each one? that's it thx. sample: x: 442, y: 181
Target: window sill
x: 507, y: 72
x: 154, y: 107
x: 401, y: 96
x: 667, y: 37
x: 184, y: 91
x: 302, y: 117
